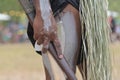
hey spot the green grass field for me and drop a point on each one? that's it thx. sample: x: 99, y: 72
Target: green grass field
x: 20, y: 62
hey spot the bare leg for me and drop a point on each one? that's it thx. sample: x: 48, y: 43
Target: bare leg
x: 72, y: 31
x: 82, y: 66
x: 72, y: 34
x: 73, y: 52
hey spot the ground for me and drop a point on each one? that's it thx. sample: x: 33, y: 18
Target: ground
x: 20, y: 62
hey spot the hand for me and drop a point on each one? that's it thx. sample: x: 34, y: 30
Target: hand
x: 44, y: 37
x: 54, y: 37
x: 38, y: 26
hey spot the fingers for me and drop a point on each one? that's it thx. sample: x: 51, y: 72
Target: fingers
x: 40, y: 40
x: 38, y: 34
x: 54, y: 38
x: 45, y: 45
x: 58, y: 48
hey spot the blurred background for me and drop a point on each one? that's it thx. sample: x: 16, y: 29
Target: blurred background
x: 18, y: 60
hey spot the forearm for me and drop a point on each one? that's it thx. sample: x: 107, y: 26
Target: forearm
x: 37, y: 6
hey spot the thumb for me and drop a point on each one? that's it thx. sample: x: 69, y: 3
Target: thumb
x: 35, y: 36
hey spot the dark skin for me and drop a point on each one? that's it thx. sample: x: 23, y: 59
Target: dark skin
x: 38, y: 21
x: 45, y: 37
x: 42, y: 35
x: 82, y: 66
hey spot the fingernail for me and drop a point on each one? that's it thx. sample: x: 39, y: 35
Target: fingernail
x: 61, y: 56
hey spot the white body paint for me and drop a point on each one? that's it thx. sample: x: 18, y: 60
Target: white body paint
x: 67, y: 27
x: 45, y: 13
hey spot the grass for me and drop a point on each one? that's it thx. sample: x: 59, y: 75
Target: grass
x: 115, y: 58
x: 20, y: 62
x: 19, y: 56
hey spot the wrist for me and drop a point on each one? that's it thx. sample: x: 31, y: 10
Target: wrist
x: 38, y: 10
x: 38, y: 14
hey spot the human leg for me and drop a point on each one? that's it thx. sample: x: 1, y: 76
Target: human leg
x: 71, y: 34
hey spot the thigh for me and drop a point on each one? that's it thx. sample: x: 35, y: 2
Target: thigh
x: 70, y: 34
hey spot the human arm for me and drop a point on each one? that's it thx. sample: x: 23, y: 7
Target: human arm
x: 38, y: 22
